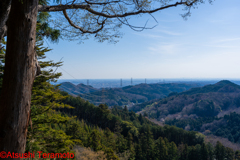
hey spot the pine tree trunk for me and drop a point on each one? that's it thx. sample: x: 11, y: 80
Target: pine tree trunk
x: 19, y: 75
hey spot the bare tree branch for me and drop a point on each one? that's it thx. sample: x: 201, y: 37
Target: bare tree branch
x: 80, y: 28
x: 89, y: 9
x: 104, y: 3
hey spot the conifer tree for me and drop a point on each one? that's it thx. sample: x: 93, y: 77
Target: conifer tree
x: 94, y: 140
x: 161, y: 150
x: 193, y: 153
x: 184, y: 153
x: 130, y: 146
x: 210, y: 149
x: 229, y: 154
x: 147, y: 142
x: 172, y: 151
x: 139, y: 152
x: 110, y: 139
x: 204, y: 152
x: 219, y: 151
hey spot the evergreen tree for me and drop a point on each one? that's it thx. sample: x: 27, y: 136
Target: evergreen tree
x: 229, y: 154
x: 193, y: 153
x: 110, y: 139
x: 125, y: 109
x: 204, y: 152
x: 172, y: 151
x: 219, y: 151
x: 130, y: 146
x: 147, y: 142
x: 160, y: 150
x: 139, y: 152
x: 210, y: 149
x: 94, y: 140
x: 184, y: 153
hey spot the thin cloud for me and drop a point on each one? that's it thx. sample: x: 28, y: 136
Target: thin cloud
x: 149, y: 35
x: 221, y: 46
x: 227, y: 40
x: 216, y: 21
x: 170, y: 33
x: 169, y: 20
x: 165, y: 48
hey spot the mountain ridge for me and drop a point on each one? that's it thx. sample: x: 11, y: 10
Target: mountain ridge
x: 128, y: 95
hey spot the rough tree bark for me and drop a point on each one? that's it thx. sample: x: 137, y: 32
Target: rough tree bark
x: 19, y: 75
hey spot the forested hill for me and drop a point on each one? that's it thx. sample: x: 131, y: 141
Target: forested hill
x: 223, y: 86
x: 121, y: 134
x: 76, y: 89
x: 207, y: 101
x: 201, y: 109
x: 128, y: 95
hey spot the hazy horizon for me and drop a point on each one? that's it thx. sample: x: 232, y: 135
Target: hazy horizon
x: 116, y: 83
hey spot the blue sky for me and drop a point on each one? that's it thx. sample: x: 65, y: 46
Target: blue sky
x: 207, y: 45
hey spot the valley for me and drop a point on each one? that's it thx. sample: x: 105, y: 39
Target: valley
x: 212, y: 109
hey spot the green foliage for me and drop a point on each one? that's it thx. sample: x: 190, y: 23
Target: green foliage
x: 231, y: 128
x: 161, y: 149
x: 219, y: 151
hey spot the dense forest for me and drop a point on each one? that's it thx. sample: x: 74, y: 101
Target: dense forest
x: 226, y: 127
x: 211, y: 110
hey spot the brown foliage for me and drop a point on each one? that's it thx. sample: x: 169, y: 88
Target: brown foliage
x: 87, y: 154
x: 213, y: 140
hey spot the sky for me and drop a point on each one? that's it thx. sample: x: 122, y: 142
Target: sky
x: 206, y: 45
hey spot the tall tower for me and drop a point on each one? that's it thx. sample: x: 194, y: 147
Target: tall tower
x: 87, y: 82
x: 146, y: 80
x: 121, y: 82
x: 131, y: 82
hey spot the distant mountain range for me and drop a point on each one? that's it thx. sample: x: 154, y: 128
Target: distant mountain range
x: 205, y: 109
x: 128, y: 95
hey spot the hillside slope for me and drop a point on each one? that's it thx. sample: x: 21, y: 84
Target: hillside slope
x: 76, y: 89
x: 203, y: 109
x: 207, y: 101
x: 130, y: 95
